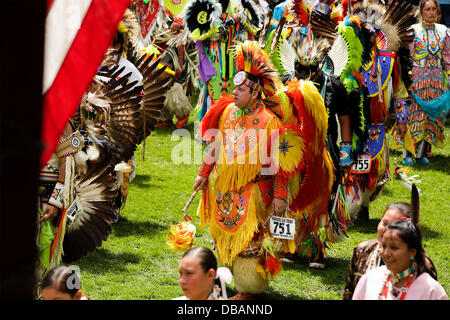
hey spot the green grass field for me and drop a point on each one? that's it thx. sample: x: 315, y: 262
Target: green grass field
x: 136, y: 264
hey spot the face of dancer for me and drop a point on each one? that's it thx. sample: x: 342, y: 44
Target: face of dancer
x: 243, y: 97
x: 195, y: 283
x: 51, y: 293
x: 389, y: 216
x: 395, y: 252
x: 429, y: 12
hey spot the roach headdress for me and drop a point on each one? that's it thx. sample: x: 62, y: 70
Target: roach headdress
x: 256, y: 69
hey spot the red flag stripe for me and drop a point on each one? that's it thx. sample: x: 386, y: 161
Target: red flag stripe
x: 49, y: 4
x: 79, y: 67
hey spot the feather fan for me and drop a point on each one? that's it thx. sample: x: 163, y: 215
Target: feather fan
x: 95, y: 193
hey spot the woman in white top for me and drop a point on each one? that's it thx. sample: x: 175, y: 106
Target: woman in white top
x: 398, y: 279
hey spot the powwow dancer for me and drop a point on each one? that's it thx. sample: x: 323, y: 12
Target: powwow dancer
x: 430, y: 51
x: 248, y: 175
x: 154, y: 29
x: 374, y: 36
x: 106, y: 131
x: 215, y: 26
x: 304, y: 60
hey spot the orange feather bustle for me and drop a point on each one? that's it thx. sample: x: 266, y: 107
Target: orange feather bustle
x: 212, y: 116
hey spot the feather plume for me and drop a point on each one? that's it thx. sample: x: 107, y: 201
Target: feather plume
x: 287, y: 56
x: 301, y: 12
x: 323, y: 26
x: 415, y: 205
x: 338, y: 54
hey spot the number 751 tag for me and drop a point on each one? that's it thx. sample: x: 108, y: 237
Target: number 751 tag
x: 282, y: 228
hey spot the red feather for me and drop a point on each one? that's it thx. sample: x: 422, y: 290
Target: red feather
x: 212, y: 116
x: 273, y: 266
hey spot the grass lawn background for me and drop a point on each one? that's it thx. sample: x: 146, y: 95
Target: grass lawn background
x: 135, y: 263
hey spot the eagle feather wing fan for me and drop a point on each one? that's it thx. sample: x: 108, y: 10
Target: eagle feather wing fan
x: 95, y: 193
x: 156, y: 83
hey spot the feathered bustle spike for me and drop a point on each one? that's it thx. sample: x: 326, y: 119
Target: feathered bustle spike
x: 323, y: 26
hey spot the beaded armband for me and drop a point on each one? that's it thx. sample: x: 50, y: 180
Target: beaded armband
x: 280, y: 187
x: 56, y: 197
x: 179, y: 20
x: 401, y: 110
x: 344, y: 154
x: 205, y: 169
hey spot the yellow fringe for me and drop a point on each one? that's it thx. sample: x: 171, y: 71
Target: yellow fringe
x: 286, y: 109
x: 230, y: 244
x: 244, y: 168
x: 315, y: 105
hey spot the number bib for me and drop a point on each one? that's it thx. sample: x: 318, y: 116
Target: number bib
x: 362, y: 164
x: 282, y: 228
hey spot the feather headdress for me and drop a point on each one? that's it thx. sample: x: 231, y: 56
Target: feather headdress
x: 311, y: 53
x: 302, y: 55
x: 202, y: 18
x: 251, y: 16
x: 301, y: 12
x: 249, y: 57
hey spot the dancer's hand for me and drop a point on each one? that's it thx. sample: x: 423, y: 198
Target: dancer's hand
x: 49, y: 213
x: 402, y: 129
x: 278, y: 206
x: 175, y: 27
x: 200, y: 183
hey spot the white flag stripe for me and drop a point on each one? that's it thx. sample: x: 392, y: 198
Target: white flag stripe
x: 61, y: 26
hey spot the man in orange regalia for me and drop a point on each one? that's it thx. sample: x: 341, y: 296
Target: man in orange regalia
x: 256, y: 167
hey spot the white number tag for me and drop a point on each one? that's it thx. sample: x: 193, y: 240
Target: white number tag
x: 362, y: 164
x: 282, y: 228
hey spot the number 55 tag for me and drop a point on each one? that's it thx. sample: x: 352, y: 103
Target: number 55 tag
x: 282, y: 228
x: 362, y: 164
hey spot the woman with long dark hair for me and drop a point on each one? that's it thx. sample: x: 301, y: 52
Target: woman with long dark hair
x: 402, y: 277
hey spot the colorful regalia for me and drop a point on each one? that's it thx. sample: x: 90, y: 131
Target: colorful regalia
x: 431, y: 66
x: 377, y: 67
x: 301, y: 59
x: 212, y: 27
x: 151, y: 33
x: 97, y: 153
x: 250, y: 166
